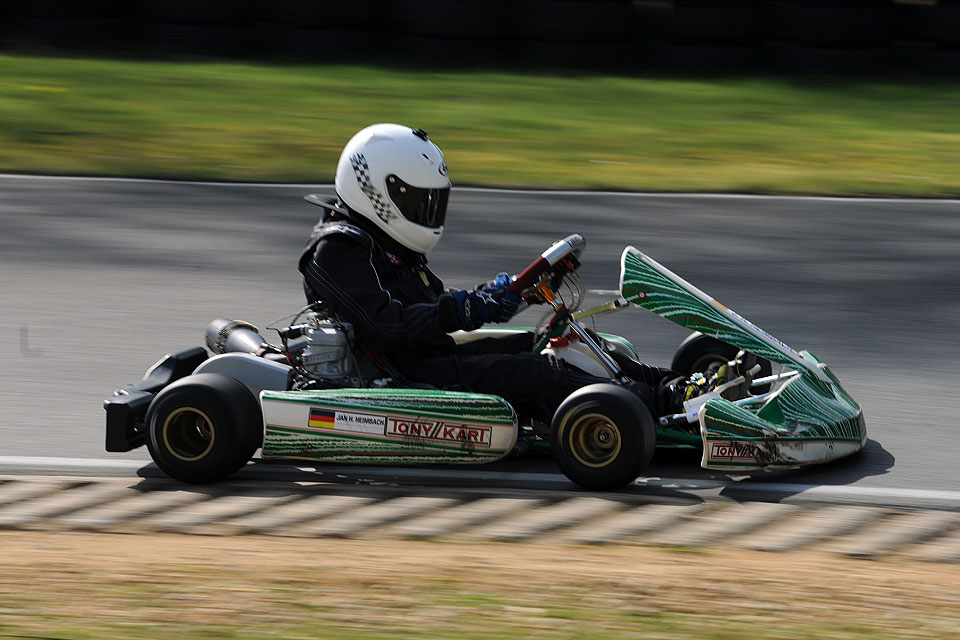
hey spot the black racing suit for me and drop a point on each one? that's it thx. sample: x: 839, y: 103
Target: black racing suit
x: 401, y: 313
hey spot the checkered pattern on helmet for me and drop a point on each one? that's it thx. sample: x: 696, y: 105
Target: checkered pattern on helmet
x: 362, y: 171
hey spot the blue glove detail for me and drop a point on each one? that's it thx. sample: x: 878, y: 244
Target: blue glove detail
x: 474, y: 308
x: 489, y: 302
x: 484, y: 304
x: 507, y: 304
x: 502, y: 281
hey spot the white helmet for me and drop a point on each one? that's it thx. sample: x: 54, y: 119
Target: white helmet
x: 397, y: 178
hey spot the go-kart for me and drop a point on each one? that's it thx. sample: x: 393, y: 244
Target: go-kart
x: 319, y: 396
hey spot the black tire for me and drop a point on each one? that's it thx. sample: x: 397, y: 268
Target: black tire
x: 602, y: 437
x: 698, y: 351
x: 203, y: 428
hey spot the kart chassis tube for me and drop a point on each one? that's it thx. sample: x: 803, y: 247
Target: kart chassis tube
x: 683, y: 418
x: 607, y: 307
x: 607, y: 361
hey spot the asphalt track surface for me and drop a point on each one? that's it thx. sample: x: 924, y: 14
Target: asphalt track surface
x: 99, y: 278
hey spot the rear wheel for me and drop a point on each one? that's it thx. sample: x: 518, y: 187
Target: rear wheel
x: 698, y: 351
x: 602, y: 437
x: 203, y: 428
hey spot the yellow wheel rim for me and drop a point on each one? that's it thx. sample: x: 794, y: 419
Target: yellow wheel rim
x: 188, y: 434
x: 594, y: 440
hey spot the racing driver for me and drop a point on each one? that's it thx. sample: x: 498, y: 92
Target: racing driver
x: 367, y: 259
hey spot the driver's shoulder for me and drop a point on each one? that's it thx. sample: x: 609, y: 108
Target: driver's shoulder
x: 341, y: 231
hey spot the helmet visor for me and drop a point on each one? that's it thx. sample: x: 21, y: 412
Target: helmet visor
x: 426, y: 207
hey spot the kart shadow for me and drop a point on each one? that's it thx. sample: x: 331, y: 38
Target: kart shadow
x: 872, y: 460
x: 679, y: 470
x: 674, y: 476
x: 537, y: 475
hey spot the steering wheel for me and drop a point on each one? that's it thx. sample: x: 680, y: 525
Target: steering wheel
x: 541, y: 281
x: 561, y: 257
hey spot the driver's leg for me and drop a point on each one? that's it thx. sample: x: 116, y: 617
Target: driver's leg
x: 642, y: 372
x: 534, y: 385
x: 514, y: 343
x: 638, y: 371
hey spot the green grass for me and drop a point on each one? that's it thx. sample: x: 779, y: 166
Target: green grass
x: 227, y: 604
x: 288, y: 123
x: 79, y: 586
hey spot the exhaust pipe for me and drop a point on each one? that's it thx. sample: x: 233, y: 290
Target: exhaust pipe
x: 230, y: 336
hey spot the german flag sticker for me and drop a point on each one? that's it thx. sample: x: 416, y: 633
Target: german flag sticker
x: 321, y: 418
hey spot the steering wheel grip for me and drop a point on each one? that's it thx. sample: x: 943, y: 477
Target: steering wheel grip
x: 571, y: 245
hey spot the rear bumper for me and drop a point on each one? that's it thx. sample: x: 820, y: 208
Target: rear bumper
x: 126, y: 420
x: 127, y: 407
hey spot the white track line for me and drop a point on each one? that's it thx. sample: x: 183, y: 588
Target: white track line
x: 688, y: 484
x: 840, y: 491
x: 14, y: 176
x: 82, y: 463
x: 551, y: 192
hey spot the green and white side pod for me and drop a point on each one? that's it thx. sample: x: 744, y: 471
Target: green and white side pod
x: 400, y: 426
x: 807, y: 419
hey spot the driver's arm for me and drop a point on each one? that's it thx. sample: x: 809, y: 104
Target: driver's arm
x: 342, y: 273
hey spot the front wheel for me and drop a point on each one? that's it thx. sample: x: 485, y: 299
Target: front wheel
x: 203, y: 428
x: 602, y: 437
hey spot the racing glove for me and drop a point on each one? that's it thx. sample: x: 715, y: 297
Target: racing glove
x: 507, y: 304
x: 474, y: 308
x: 501, y: 281
x: 508, y: 301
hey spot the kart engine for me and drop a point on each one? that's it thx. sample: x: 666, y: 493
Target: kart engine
x: 319, y: 346
x: 327, y: 357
